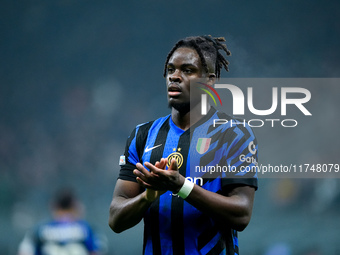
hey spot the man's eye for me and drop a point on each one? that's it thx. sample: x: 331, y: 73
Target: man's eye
x: 170, y: 70
x: 188, y: 71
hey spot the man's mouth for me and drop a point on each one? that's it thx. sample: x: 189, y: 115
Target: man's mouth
x: 174, y: 90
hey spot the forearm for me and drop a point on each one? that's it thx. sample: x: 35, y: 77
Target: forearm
x: 127, y: 212
x: 234, y: 210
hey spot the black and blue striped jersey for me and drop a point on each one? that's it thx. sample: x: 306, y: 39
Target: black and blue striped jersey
x: 173, y: 226
x: 62, y: 236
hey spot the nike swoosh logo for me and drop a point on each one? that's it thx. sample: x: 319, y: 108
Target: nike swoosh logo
x: 149, y: 149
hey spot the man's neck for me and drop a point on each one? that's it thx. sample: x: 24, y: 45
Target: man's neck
x: 184, y: 120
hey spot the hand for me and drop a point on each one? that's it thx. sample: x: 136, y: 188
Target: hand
x: 159, y: 178
x: 151, y: 194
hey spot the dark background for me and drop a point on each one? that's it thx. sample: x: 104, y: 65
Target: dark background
x: 77, y: 76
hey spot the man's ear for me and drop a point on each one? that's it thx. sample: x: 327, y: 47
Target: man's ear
x: 211, y: 79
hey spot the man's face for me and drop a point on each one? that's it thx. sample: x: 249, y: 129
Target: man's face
x: 183, y: 67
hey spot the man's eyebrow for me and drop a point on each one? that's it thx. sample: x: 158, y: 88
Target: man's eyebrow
x: 188, y: 65
x: 183, y: 65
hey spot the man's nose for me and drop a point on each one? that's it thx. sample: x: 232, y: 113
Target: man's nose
x: 175, y: 77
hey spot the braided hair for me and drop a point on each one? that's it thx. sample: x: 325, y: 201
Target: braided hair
x: 206, y: 47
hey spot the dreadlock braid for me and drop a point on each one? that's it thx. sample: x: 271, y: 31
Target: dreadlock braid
x: 206, y: 46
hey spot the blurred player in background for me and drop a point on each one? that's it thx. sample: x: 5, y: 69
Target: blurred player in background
x: 65, y: 234
x: 182, y: 216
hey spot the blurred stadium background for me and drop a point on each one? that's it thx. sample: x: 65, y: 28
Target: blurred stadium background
x: 77, y: 76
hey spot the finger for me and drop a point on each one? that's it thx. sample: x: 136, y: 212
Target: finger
x: 155, y: 171
x: 163, y: 163
x: 137, y: 173
x: 140, y: 175
x: 143, y: 183
x: 142, y: 169
x: 173, y: 165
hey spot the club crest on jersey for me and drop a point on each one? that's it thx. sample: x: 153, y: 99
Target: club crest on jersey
x: 176, y: 155
x: 203, y: 145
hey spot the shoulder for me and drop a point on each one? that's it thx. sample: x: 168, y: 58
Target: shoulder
x: 155, y: 122
x: 146, y: 127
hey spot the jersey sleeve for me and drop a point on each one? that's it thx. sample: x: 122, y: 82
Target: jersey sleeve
x: 129, y: 159
x: 133, y: 152
x: 242, y: 157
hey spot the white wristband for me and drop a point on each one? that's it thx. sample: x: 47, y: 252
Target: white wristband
x: 186, y: 189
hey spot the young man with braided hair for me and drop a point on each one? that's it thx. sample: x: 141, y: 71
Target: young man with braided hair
x: 180, y: 216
